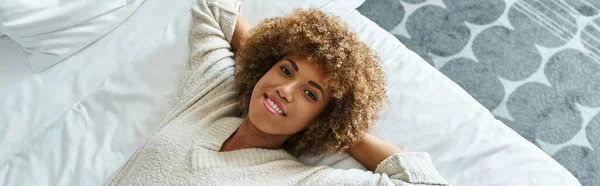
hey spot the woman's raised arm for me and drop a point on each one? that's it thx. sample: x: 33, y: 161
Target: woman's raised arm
x: 241, y: 29
x: 371, y: 151
x: 403, y: 168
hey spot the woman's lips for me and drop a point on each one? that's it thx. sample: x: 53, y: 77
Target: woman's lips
x: 273, y: 105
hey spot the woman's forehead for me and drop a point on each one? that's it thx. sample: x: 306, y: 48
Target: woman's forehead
x: 300, y: 56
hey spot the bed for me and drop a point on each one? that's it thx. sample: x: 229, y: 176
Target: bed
x: 534, y: 64
x: 80, y: 118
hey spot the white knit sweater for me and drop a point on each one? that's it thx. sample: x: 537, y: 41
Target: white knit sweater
x: 184, y: 149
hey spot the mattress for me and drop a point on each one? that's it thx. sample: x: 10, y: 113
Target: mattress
x: 78, y: 121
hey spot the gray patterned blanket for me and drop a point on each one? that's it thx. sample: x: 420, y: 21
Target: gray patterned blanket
x: 534, y: 63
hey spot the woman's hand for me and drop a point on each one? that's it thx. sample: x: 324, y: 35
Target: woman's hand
x: 241, y: 29
x: 371, y: 151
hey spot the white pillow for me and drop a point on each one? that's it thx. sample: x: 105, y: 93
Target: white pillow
x: 256, y: 10
x: 51, y: 30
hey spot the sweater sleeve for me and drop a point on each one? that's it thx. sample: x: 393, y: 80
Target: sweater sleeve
x: 401, y: 169
x: 412, y: 167
x: 210, y: 65
x: 216, y: 17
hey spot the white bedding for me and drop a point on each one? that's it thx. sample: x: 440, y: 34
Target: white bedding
x: 76, y: 122
x: 51, y: 30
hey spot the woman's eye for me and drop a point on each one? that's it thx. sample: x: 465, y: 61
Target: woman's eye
x: 286, y: 71
x: 310, y: 94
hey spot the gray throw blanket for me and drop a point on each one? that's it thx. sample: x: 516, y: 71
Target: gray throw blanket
x: 534, y: 63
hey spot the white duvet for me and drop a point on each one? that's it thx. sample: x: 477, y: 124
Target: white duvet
x: 78, y: 121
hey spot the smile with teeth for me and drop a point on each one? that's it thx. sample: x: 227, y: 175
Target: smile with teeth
x: 274, y: 106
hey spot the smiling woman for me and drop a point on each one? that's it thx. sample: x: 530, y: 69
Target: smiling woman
x: 303, y: 84
x: 318, y: 55
x: 295, y: 97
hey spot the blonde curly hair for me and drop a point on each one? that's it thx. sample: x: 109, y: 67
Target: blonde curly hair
x: 351, y: 69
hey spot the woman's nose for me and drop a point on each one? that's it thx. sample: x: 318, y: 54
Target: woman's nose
x: 285, y: 91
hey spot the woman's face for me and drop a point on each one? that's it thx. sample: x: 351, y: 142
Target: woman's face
x: 288, y: 97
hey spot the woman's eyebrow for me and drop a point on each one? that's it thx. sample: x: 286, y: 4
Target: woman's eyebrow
x: 318, y: 87
x: 293, y: 64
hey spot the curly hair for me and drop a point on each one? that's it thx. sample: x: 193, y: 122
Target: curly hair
x: 351, y: 69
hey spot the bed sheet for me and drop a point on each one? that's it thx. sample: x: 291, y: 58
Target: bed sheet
x: 13, y: 63
x: 78, y: 121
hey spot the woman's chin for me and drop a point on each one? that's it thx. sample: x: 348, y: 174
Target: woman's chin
x: 261, y: 123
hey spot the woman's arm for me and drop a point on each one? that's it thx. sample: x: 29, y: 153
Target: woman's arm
x: 403, y: 168
x: 371, y: 151
x: 241, y: 29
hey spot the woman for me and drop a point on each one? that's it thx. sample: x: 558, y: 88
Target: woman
x: 305, y: 85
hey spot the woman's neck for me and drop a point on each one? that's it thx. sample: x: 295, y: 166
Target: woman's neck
x: 249, y: 136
